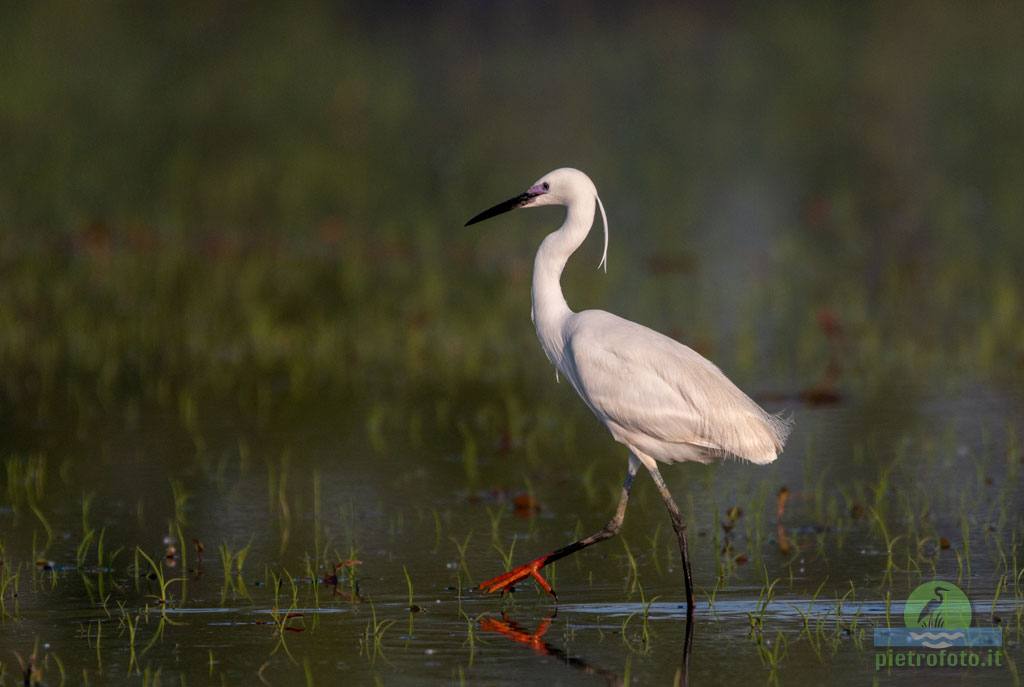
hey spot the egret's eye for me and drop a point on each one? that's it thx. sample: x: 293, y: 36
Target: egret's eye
x: 546, y: 186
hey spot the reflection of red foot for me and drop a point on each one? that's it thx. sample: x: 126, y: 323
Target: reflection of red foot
x: 511, y: 629
x: 503, y: 583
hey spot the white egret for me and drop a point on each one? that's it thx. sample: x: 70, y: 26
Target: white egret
x: 662, y: 400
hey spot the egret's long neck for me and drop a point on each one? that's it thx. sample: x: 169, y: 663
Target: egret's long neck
x: 550, y: 310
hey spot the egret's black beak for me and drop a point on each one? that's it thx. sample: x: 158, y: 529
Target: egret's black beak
x: 510, y: 204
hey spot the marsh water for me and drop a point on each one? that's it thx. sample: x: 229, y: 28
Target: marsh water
x: 318, y: 537
x: 269, y: 414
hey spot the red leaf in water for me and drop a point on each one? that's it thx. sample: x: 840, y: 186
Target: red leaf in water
x: 780, y: 502
x: 351, y: 562
x: 525, y: 505
x: 785, y: 547
x: 829, y: 323
x: 820, y: 395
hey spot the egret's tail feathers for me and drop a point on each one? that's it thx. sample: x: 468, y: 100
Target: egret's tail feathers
x: 762, y: 439
x: 779, y: 427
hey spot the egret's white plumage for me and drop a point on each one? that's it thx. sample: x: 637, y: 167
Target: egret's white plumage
x: 662, y: 400
x: 676, y: 405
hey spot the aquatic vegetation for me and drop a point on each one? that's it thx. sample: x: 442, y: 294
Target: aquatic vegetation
x: 772, y: 653
x: 412, y: 607
x: 9, y: 583
x: 461, y: 548
x: 130, y: 625
x: 250, y: 341
x: 641, y: 644
x: 632, y: 579
x: 163, y: 583
x: 765, y: 597
x: 372, y: 641
x: 506, y: 555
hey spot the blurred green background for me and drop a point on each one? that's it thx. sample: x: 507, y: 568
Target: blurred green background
x: 223, y: 191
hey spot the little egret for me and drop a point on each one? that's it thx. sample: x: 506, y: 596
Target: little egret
x: 662, y: 400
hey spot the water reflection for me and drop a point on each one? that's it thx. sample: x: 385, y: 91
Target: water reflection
x: 535, y: 640
x: 509, y: 628
x: 684, y: 664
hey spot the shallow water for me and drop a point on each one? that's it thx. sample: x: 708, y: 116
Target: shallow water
x: 243, y: 333
x: 937, y: 469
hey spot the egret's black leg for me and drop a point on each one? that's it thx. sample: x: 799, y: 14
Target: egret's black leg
x: 680, y: 527
x: 613, y: 526
x: 532, y: 569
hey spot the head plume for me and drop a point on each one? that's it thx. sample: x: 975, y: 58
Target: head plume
x: 604, y: 223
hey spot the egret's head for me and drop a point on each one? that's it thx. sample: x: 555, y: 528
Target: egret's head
x: 564, y: 186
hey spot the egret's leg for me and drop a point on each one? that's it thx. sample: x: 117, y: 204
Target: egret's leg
x: 532, y: 569
x: 680, y: 527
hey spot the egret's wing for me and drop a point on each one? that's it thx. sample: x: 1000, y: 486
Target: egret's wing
x: 650, y: 384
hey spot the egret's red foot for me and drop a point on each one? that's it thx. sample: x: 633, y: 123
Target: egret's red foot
x: 503, y: 583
